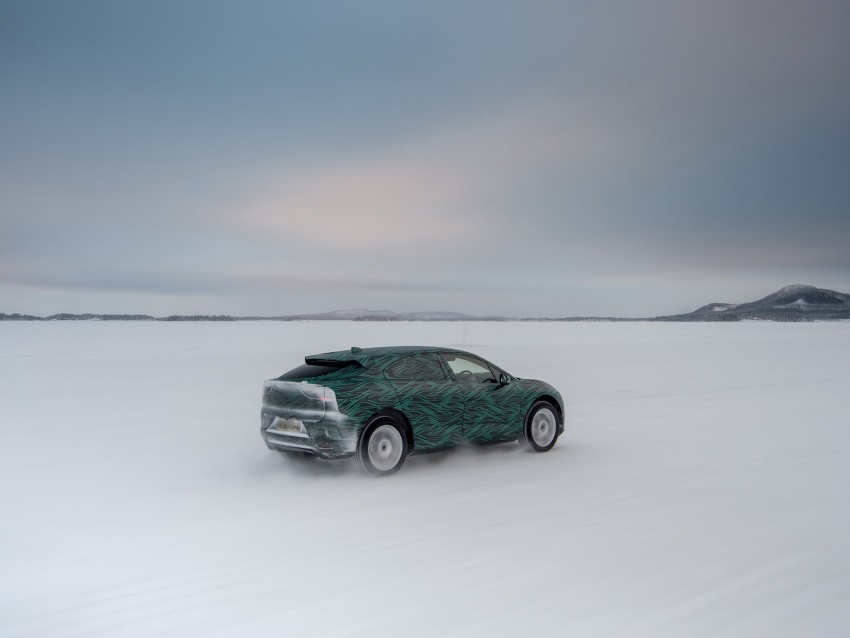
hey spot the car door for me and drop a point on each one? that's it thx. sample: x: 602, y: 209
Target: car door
x: 490, y: 409
x: 429, y: 399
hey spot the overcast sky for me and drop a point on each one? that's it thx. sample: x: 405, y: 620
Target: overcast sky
x: 529, y: 158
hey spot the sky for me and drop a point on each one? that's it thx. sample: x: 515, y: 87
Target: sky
x: 525, y: 159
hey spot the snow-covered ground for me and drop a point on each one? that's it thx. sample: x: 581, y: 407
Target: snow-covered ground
x: 702, y: 488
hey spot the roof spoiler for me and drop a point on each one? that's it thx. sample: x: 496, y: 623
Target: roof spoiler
x: 317, y: 360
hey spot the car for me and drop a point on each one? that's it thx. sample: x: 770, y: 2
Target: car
x: 379, y: 405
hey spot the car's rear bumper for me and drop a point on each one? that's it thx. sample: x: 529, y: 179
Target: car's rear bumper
x: 284, y: 443
x: 322, y: 439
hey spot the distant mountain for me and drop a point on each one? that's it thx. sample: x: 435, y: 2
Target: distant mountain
x: 362, y: 314
x: 359, y: 313
x: 791, y: 303
x: 439, y: 315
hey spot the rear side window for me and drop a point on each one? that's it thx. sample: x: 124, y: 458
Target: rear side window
x: 417, y: 367
x: 309, y: 370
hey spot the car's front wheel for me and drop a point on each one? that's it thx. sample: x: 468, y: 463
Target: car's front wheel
x: 541, y: 427
x: 383, y: 447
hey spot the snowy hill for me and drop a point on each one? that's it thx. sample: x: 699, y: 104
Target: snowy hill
x: 789, y: 303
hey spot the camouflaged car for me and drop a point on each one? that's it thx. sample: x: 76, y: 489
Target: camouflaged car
x: 381, y: 404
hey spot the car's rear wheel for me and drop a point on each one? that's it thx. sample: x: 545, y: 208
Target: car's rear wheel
x: 541, y: 427
x: 383, y: 447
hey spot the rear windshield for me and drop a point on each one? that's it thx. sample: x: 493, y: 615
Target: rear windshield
x: 312, y: 370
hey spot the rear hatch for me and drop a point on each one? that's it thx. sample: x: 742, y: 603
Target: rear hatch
x: 293, y: 400
x: 299, y: 396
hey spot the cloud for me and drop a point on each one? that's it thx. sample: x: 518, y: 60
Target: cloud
x: 414, y: 155
x: 456, y: 186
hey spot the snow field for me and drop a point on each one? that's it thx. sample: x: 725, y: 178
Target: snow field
x: 702, y: 488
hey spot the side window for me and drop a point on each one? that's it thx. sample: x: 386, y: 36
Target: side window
x: 418, y: 367
x: 469, y: 370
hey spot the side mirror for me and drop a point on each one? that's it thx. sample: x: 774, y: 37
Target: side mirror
x: 503, y: 379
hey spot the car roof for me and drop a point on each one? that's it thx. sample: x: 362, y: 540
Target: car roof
x: 368, y: 357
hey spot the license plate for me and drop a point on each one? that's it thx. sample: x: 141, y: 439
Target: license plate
x: 288, y: 425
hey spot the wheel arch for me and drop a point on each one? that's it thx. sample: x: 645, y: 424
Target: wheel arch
x: 396, y: 414
x: 548, y: 398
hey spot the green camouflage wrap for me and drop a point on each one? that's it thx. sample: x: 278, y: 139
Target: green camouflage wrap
x: 415, y: 383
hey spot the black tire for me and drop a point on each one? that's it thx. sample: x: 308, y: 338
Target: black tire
x: 542, y: 427
x: 383, y: 447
